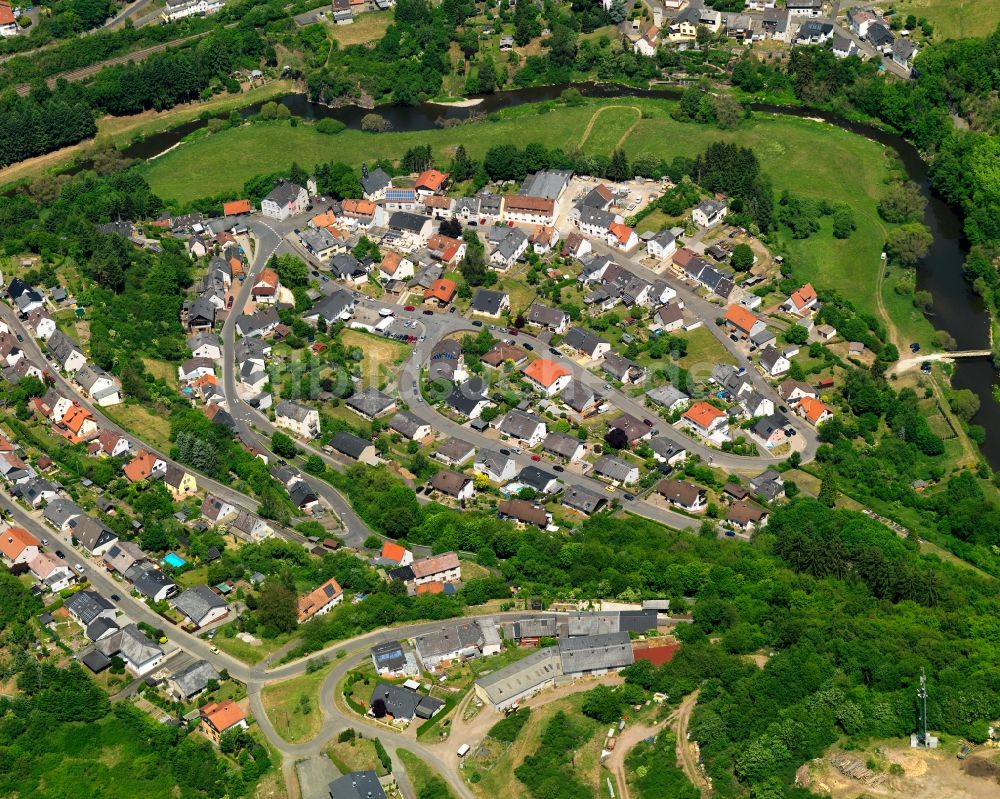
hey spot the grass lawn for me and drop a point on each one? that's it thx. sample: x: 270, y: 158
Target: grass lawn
x: 192, y: 577
x: 249, y: 653
x: 655, y: 222
x: 293, y: 705
x: 521, y: 294
x: 382, y: 355
x: 607, y: 127
x: 365, y: 28
x: 162, y: 369
x: 704, y: 350
x: 955, y: 19
x: 356, y: 755
x: 421, y: 775
x: 145, y: 424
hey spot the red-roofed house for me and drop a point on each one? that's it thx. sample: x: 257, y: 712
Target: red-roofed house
x: 446, y: 249
x: 236, y: 207
x: 705, y: 419
x: 399, y: 555
x: 144, y: 466
x: 813, y: 410
x: 547, y: 375
x: 8, y: 22
x: 17, y: 545
x: 801, y: 302
x: 430, y: 182
x: 622, y: 236
x: 265, y: 288
x: 743, y: 322
x: 321, y: 600
x: 218, y: 718
x: 394, y: 266
x: 441, y: 291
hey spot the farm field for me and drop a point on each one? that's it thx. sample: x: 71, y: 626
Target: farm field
x: 955, y: 19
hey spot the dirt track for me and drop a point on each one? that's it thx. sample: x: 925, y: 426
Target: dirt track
x: 686, y: 758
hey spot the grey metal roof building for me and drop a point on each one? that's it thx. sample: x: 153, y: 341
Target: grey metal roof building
x: 596, y: 653
x: 87, y: 606
x: 535, y: 627
x: 520, y: 679
x: 370, y: 402
x: 582, y: 500
x: 549, y: 183
x: 192, y: 679
x: 198, y: 602
x: 487, y: 301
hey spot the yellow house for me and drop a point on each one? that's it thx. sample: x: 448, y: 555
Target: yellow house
x: 180, y: 483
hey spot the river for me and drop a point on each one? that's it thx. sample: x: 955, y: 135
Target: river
x: 957, y: 308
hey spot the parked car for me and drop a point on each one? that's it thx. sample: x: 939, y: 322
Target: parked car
x: 504, y: 451
x: 452, y: 309
x: 428, y: 312
x: 629, y: 497
x: 477, y: 323
x: 559, y: 468
x: 513, y: 331
x: 60, y: 554
x: 115, y: 598
x: 536, y: 457
x: 409, y: 308
x: 528, y: 347
x: 553, y: 350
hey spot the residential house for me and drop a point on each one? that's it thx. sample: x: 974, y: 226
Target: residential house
x: 356, y: 448
x: 335, y: 307
x: 791, y: 391
x: 683, y: 494
x: 879, y: 36
x: 487, y: 302
x: 179, y: 482
x: 547, y: 376
x: 579, y: 397
x: 617, y: 470
x: 582, y: 500
x: 801, y: 302
x: 814, y: 32
x: 123, y: 556
x: 709, y: 213
x: 443, y: 568
x: 668, y: 397
x: 192, y: 680
x: 452, y: 484
x: 357, y: 784
x: 205, y: 345
x: 569, y: 448
x: 661, y: 246
x: 538, y: 479
x: 453, y: 642
x: 860, y: 18
x: 410, y: 426
x: 65, y: 352
x: 805, y: 8
x: 26, y: 298
x: 469, y: 398
x: 375, y: 183
x: 742, y: 322
x: 508, y: 248
x: 633, y: 428
x: 543, y: 239
x: 141, y: 655
x: 587, y: 343
x: 145, y: 466
x: 668, y: 319
x: 193, y: 368
x: 454, y: 452
x: 414, y: 226
x: 200, y: 314
x: 219, y: 718
x: 17, y: 545
x: 93, y: 536
x: 523, y: 426
x: 370, y: 403
x: 447, y: 361
x: 773, y: 362
x: 394, y: 266
x: 284, y: 200
x: 446, y: 249
x: 524, y: 512
x: 249, y: 527
x: 51, y: 571
x: 402, y: 703
x: 593, y: 221
x: 320, y: 600
x: 772, y: 430
x: 441, y: 292
x: 78, y: 424
x: 622, y: 237
x: 498, y: 468
x: 60, y: 512
x: 903, y: 51
x: 552, y: 319
x: 548, y: 183
x: 430, y: 181
x: 151, y: 582
x: 502, y: 353
x: 768, y: 484
x: 622, y: 369
x: 41, y: 323
x: 706, y: 420
x: 300, y: 419
x: 259, y: 323
x: 813, y: 410
x: 200, y: 606
x: 576, y: 246
x: 746, y: 516
x: 667, y: 452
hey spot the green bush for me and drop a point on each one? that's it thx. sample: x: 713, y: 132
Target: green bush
x: 507, y: 729
x: 330, y: 127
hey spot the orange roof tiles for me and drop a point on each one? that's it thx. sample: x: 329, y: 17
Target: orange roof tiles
x: 223, y: 715
x: 14, y: 540
x: 444, y: 246
x: 140, y: 467
x: 7, y: 16
x: 703, y: 414
x: 545, y: 372
x: 75, y: 418
x: 235, y: 266
x: 317, y: 599
x: 393, y: 551
x: 441, y: 289
x: 741, y: 318
x: 430, y: 588
x: 390, y: 262
x: 268, y: 277
x: 435, y: 564
x: 535, y: 205
x: 236, y: 207
x: 621, y: 232
x: 324, y: 219
x: 813, y: 409
x: 431, y: 179
x: 358, y: 207
x: 803, y: 296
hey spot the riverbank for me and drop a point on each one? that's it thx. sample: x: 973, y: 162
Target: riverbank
x: 119, y: 132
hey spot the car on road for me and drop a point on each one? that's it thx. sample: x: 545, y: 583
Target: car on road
x: 115, y: 598
x: 413, y: 384
x: 559, y: 468
x: 629, y: 497
x: 409, y: 308
x: 428, y: 312
x: 419, y: 398
x: 476, y: 323
x: 452, y: 309
x: 730, y: 534
x: 647, y: 422
x: 45, y: 542
x: 383, y: 312
x: 925, y: 367
x: 504, y: 451
x: 214, y: 650
x: 80, y: 567
x: 607, y: 387
x: 463, y: 750
x: 914, y: 347
x: 20, y: 337
x: 528, y: 347
x: 513, y: 331
x: 422, y: 338
x: 964, y: 752
x: 60, y: 554
x: 536, y: 457
x: 610, y: 489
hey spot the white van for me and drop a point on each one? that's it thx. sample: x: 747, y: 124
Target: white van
x: 463, y: 750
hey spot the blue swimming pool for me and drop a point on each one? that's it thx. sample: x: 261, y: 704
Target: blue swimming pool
x: 174, y: 560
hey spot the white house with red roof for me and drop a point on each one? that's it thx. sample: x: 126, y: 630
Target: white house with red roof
x: 547, y: 375
x: 706, y: 420
x: 801, y: 302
